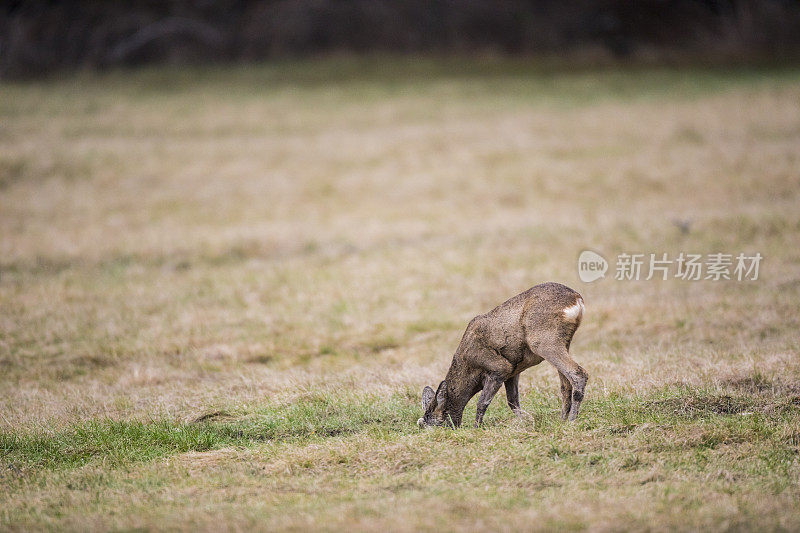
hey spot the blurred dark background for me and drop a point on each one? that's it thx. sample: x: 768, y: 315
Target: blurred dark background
x: 39, y: 36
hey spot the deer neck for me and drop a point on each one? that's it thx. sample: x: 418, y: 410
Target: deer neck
x: 462, y: 384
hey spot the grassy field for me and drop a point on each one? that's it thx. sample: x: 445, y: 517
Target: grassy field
x: 223, y: 290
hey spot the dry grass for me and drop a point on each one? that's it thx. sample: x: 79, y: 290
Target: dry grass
x: 175, y: 244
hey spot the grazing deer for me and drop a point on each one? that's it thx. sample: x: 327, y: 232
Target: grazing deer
x: 531, y: 327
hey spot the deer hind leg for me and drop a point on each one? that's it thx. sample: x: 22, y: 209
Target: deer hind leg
x: 566, y: 396
x: 512, y: 393
x: 558, y: 356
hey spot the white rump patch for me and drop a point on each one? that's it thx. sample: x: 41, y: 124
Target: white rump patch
x: 574, y: 312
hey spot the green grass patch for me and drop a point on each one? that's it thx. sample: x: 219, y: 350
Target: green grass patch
x: 116, y: 443
x: 673, y: 418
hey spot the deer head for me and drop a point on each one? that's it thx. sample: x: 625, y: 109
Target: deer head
x: 434, y: 405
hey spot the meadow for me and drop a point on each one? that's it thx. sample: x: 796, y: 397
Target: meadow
x: 223, y: 289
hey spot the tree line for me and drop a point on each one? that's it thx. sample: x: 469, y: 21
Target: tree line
x: 42, y: 36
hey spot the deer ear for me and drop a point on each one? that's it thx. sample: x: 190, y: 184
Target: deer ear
x: 441, y: 394
x: 427, y: 396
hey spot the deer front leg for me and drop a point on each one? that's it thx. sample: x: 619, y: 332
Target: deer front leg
x: 566, y: 396
x: 491, y: 385
x: 512, y: 393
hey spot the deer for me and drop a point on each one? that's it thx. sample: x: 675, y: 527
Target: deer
x: 534, y: 326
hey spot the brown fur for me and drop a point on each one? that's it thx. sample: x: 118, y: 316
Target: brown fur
x: 496, y: 347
